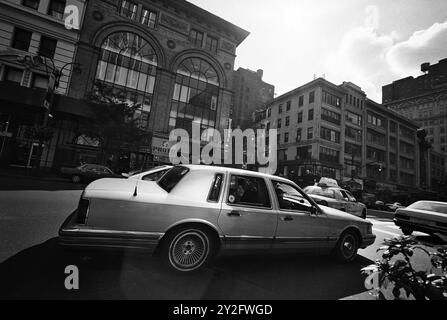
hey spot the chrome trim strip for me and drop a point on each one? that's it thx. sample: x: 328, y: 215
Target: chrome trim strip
x: 156, y: 235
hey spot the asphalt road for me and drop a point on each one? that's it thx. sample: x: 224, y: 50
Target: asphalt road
x: 32, y: 265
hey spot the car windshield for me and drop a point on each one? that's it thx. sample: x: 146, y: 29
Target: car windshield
x: 318, y: 191
x: 429, y: 206
x: 170, y: 179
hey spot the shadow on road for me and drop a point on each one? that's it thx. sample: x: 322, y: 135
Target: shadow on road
x: 38, y: 273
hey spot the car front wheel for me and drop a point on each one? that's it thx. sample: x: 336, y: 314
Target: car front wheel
x: 188, y: 249
x: 347, y: 247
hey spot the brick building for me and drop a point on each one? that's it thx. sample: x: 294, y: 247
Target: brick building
x: 250, y: 96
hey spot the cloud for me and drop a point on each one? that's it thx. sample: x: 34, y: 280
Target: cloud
x: 428, y: 45
x: 371, y: 59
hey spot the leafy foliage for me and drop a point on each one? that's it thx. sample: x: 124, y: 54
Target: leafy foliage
x: 115, y: 121
x: 395, y: 269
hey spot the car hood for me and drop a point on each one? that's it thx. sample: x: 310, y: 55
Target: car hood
x: 341, y: 215
x: 315, y: 196
x: 422, y: 214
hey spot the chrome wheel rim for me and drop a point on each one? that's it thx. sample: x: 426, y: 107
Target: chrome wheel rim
x: 188, y: 250
x: 349, y: 246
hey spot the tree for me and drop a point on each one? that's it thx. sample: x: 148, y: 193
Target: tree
x: 115, y: 122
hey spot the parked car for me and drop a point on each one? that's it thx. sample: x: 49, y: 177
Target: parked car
x: 425, y: 216
x: 194, y: 212
x: 394, y: 206
x: 87, y: 173
x: 337, y: 198
x: 149, y: 175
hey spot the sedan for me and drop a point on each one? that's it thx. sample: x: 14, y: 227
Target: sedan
x: 338, y: 198
x: 194, y: 212
x: 87, y: 173
x: 425, y: 216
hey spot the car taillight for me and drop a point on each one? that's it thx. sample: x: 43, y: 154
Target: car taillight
x: 81, y: 217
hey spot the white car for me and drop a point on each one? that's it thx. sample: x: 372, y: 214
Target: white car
x: 425, y: 216
x: 150, y: 175
x: 193, y: 212
x: 336, y: 197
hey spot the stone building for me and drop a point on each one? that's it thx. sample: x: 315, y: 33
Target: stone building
x: 328, y: 130
x: 424, y: 101
x: 173, y: 58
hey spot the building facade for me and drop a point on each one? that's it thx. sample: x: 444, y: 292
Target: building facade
x: 250, y: 96
x: 34, y: 42
x: 336, y: 131
x: 174, y: 59
x: 424, y: 100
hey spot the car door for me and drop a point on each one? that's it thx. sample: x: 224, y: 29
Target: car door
x: 300, y: 225
x: 356, y: 207
x: 247, y: 218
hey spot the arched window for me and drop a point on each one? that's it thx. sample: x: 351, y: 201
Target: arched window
x: 127, y: 66
x: 195, y: 95
x: 86, y: 140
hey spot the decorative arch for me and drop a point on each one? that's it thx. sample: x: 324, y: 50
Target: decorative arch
x: 194, y: 53
x: 127, y: 70
x: 107, y: 29
x: 196, y: 94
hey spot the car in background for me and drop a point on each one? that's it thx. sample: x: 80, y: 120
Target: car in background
x: 424, y: 216
x: 394, y: 206
x: 148, y: 175
x: 336, y: 197
x: 87, y: 173
x: 193, y: 212
x: 380, y: 205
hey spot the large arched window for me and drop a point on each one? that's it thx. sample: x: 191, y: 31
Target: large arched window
x: 195, y: 95
x: 127, y: 66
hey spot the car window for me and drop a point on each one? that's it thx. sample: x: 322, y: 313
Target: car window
x: 290, y: 198
x: 429, y: 206
x: 318, y: 191
x: 154, y: 176
x: 216, y: 186
x: 249, y: 191
x: 344, y: 194
x: 172, y: 178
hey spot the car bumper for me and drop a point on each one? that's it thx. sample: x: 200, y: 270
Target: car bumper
x: 75, y: 235
x: 419, y: 227
x: 368, y: 240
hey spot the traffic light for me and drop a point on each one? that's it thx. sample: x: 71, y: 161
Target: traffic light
x: 380, y: 168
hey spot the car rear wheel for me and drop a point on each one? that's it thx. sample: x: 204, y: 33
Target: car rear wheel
x: 188, y: 249
x: 347, y: 247
x: 407, y: 231
x: 76, y: 179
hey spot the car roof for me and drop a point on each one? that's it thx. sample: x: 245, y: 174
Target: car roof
x: 429, y: 201
x: 235, y: 171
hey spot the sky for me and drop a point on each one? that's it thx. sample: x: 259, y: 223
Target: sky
x: 368, y: 42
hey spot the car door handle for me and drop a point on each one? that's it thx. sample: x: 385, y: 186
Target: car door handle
x: 287, y: 218
x: 234, y: 213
